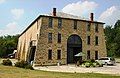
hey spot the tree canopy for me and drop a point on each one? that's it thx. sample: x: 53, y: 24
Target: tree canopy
x: 113, y: 39
x: 8, y: 44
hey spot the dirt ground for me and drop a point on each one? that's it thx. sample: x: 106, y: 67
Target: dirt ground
x: 72, y: 68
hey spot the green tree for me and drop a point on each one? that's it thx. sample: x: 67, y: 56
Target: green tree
x: 8, y: 44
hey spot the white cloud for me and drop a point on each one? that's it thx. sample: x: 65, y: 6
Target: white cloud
x: 110, y: 16
x: 80, y: 8
x: 10, y: 28
x: 2, y: 1
x: 17, y: 13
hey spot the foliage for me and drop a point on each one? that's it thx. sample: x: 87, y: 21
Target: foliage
x: 23, y: 64
x: 91, y: 63
x: 7, y: 62
x: 8, y: 44
x: 113, y: 39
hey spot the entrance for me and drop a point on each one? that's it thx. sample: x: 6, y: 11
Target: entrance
x: 74, y: 46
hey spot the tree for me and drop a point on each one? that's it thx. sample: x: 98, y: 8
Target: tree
x: 8, y: 44
x: 113, y: 39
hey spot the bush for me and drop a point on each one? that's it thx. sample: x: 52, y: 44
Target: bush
x: 29, y: 67
x: 7, y: 62
x: 92, y: 63
x: 87, y: 64
x: 23, y: 64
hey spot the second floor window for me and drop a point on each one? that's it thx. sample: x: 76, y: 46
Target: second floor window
x: 96, y: 40
x: 50, y: 23
x: 49, y: 37
x: 88, y: 40
x: 75, y: 24
x: 59, y: 38
x: 59, y: 23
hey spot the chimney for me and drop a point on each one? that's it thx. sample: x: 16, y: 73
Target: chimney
x: 54, y: 11
x: 91, y: 16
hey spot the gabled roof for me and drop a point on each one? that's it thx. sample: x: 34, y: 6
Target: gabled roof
x: 58, y: 17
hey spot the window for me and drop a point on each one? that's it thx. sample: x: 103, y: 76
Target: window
x: 88, y: 40
x: 88, y: 54
x: 59, y: 23
x: 50, y: 22
x: 59, y: 38
x: 96, y: 27
x: 58, y: 54
x: 96, y: 40
x: 88, y: 27
x: 49, y: 54
x: 75, y: 24
x: 96, y: 55
x: 50, y: 38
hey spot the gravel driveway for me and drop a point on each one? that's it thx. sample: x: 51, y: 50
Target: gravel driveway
x: 71, y: 68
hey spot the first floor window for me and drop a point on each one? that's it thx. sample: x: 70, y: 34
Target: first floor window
x: 88, y: 54
x: 58, y: 54
x: 49, y: 54
x: 96, y: 55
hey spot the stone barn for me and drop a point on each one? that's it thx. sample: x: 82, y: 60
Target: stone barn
x: 50, y: 39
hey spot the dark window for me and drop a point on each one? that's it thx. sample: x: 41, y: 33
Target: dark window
x: 58, y: 54
x: 88, y: 40
x: 50, y: 22
x: 49, y: 54
x: 96, y: 40
x: 96, y: 27
x: 88, y: 54
x: 75, y: 24
x: 59, y: 23
x: 50, y: 38
x: 59, y: 38
x: 96, y: 55
x: 37, y: 25
x: 88, y: 27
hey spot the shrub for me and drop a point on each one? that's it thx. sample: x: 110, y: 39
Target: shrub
x: 92, y: 60
x: 23, y: 64
x: 29, y: 67
x: 87, y: 64
x: 7, y: 62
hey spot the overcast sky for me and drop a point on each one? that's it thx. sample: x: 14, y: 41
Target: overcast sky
x: 16, y: 15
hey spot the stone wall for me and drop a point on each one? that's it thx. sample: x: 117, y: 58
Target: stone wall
x: 41, y: 56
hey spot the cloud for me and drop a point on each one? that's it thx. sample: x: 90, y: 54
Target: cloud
x: 10, y: 28
x: 2, y: 1
x: 80, y: 8
x: 111, y: 15
x: 17, y: 13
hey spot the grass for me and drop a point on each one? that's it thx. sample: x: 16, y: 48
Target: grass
x: 14, y: 72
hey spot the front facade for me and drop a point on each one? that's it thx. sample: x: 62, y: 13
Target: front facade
x: 52, y: 39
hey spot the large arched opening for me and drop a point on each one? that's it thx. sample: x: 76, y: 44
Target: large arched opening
x: 74, y: 46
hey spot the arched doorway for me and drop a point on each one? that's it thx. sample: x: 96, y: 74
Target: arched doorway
x: 74, y: 46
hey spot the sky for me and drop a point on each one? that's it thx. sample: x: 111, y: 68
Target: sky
x: 16, y: 15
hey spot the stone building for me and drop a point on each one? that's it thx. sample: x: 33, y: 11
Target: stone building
x: 50, y: 39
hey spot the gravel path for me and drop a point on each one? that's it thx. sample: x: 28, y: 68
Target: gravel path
x: 71, y: 68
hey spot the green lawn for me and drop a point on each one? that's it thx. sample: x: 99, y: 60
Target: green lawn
x: 13, y: 72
